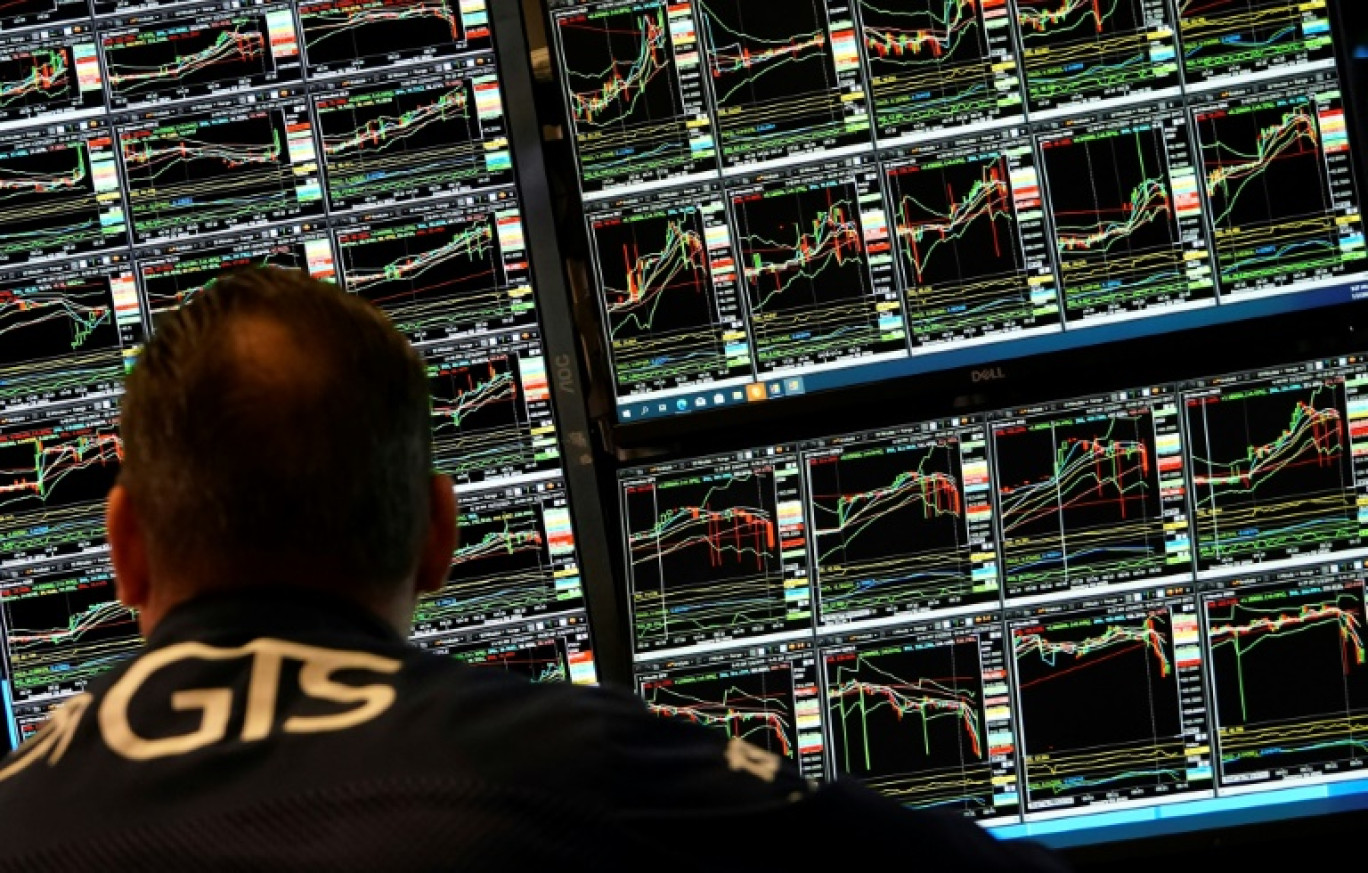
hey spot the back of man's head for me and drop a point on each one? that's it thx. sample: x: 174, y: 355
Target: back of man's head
x: 278, y: 430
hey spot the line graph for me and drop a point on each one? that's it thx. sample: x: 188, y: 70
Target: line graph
x: 909, y: 720
x: 218, y: 171
x: 55, y: 459
x: 396, y: 140
x: 25, y: 13
x: 43, y: 320
x: 1081, y: 497
x: 894, y: 529
x: 1100, y: 697
x: 1075, y: 51
x: 445, y: 272
x: 64, y: 627
x: 1291, y: 685
x: 1270, y: 471
x: 490, y: 415
x: 539, y: 658
x: 633, y: 92
x: 672, y: 319
x: 707, y: 558
x: 970, y: 237
x: 501, y: 570
x: 59, y: 532
x: 757, y: 704
x: 804, y: 246
x: 936, y: 65
x: 1227, y: 40
x: 779, y: 82
x: 353, y: 35
x: 53, y: 199
x: 1281, y: 209
x: 187, y: 57
x: 174, y: 275
x: 1130, y: 237
x: 38, y: 382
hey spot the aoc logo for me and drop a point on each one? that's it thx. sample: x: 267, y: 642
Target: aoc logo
x: 988, y: 374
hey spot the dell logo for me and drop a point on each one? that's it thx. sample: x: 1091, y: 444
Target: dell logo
x: 988, y: 374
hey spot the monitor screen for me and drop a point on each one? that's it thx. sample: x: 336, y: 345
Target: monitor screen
x: 852, y: 192
x: 1088, y: 618
x: 148, y: 146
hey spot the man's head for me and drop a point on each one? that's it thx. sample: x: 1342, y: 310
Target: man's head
x: 277, y: 430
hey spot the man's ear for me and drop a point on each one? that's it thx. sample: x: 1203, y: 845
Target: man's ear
x: 127, y: 548
x: 434, y: 564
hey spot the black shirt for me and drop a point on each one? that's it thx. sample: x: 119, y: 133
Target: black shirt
x: 281, y: 730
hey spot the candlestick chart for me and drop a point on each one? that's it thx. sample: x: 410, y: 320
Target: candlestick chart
x: 49, y: 203
x: 1099, y: 702
x: 1224, y: 39
x: 1271, y: 473
x: 205, y: 172
x: 634, y: 96
x: 343, y: 35
x: 779, y: 82
x: 936, y: 64
x: 64, y: 626
x: 1279, y: 216
x: 705, y: 557
x: 666, y: 321
x: 395, y: 142
x: 1080, y: 500
x: 187, y: 57
x: 806, y: 273
x: 485, y: 409
x: 755, y: 703
x: 443, y: 273
x: 973, y: 265
x: 501, y: 570
x: 1117, y: 235
x: 1289, y: 678
x: 908, y: 720
x: 890, y: 529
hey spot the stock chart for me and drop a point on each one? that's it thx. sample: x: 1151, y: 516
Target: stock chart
x: 1080, y: 51
x: 814, y: 262
x: 919, y: 716
x: 939, y: 64
x: 969, y: 229
x: 668, y: 289
x: 1110, y: 701
x: 716, y: 553
x: 457, y: 269
x: 782, y: 84
x: 901, y: 523
x: 636, y: 92
x: 766, y: 698
x: 1271, y: 469
x: 1127, y: 216
x: 1280, y: 186
x: 515, y: 558
x: 1229, y: 41
x: 1268, y: 633
x: 1090, y: 492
